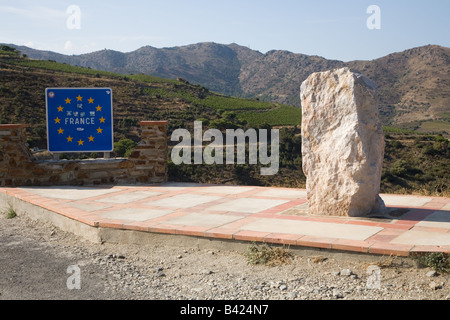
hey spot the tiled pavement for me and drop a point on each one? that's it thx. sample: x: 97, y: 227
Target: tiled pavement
x: 247, y: 213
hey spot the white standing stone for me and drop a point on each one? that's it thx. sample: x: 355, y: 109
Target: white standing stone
x: 342, y: 144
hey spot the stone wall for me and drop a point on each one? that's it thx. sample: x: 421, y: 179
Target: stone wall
x: 146, y: 164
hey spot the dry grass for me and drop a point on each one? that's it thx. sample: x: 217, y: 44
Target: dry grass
x: 385, y: 262
x: 318, y: 259
x: 266, y: 255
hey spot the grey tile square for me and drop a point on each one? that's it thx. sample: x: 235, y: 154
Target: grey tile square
x: 313, y: 228
x: 225, y: 189
x: 69, y: 192
x: 248, y: 205
x: 129, y: 197
x: 203, y: 220
x: 406, y: 201
x: 423, y: 238
x: 183, y: 201
x: 89, y: 207
x: 439, y: 219
x: 136, y: 214
x: 283, y: 193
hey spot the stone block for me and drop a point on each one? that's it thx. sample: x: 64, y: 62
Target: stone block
x: 342, y: 144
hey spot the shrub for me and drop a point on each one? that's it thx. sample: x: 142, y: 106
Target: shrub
x: 437, y: 260
x: 267, y: 255
x: 222, y: 124
x: 10, y: 213
x: 123, y: 147
x: 399, y: 168
x: 428, y: 150
x: 440, y: 138
x: 396, y: 144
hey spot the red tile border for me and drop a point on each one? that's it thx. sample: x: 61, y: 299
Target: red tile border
x: 379, y: 243
x: 282, y: 207
x: 90, y: 222
x: 280, y: 217
x: 405, y: 226
x: 317, y: 242
x: 430, y: 229
x: 114, y: 224
x: 390, y: 249
x: 220, y: 233
x: 351, y: 245
x: 248, y: 235
x: 282, y: 238
x: 191, y: 231
x: 136, y: 227
x: 423, y: 248
x: 386, y: 235
x: 164, y: 228
x: 363, y: 223
x: 327, y: 219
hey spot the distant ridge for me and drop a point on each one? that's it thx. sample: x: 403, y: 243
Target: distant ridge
x: 414, y: 85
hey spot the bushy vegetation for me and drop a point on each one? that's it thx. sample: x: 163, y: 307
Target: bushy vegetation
x: 281, y: 116
x: 439, y: 261
x: 124, y: 147
x: 417, y: 163
x: 414, y: 163
x: 9, y: 212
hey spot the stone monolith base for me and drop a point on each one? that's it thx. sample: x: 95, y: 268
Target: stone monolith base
x: 342, y: 144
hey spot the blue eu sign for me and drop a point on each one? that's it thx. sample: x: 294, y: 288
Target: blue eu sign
x: 79, y: 119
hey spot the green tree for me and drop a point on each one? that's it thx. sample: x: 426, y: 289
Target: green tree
x: 123, y: 147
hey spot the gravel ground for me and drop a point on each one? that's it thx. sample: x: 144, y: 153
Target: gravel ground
x: 39, y: 261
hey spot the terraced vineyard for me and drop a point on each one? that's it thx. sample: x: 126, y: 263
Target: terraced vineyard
x: 414, y: 163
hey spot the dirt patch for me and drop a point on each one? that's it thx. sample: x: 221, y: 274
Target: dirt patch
x: 35, y: 258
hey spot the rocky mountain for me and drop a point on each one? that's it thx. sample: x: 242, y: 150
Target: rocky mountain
x: 414, y: 85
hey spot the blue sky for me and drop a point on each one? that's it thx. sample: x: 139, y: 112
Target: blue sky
x: 328, y: 28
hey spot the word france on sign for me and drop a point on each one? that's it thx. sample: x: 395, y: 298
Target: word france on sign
x: 79, y: 119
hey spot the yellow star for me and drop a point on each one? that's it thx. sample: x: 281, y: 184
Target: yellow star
x: 102, y: 120
x: 60, y: 131
x: 68, y: 101
x: 99, y: 108
x: 99, y: 130
x: 57, y: 120
x: 79, y: 98
x: 91, y: 138
x: 69, y: 139
x: 91, y: 100
x: 60, y: 109
x: 80, y: 142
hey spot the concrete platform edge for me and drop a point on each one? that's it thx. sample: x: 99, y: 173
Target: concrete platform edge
x: 125, y: 236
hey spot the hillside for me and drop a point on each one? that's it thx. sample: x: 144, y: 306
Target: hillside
x: 413, y: 163
x: 414, y: 85
x: 136, y: 97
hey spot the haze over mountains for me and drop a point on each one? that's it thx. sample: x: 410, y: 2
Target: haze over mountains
x: 413, y: 85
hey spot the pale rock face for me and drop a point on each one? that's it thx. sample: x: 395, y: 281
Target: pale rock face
x: 342, y: 144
